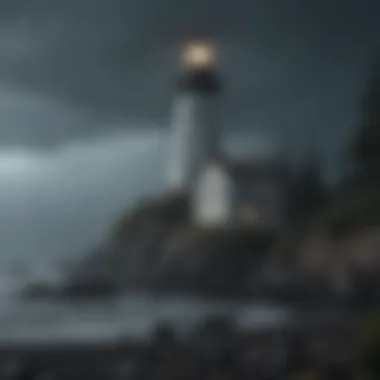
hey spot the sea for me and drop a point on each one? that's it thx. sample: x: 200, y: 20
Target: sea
x: 132, y: 316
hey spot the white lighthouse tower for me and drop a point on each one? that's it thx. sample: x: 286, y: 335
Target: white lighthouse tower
x: 195, y: 129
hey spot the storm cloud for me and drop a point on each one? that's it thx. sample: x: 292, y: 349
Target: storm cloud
x: 283, y: 65
x: 86, y: 86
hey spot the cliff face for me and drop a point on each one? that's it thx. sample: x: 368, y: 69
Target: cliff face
x: 155, y: 247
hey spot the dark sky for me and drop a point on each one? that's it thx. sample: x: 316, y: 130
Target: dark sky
x: 85, y: 80
x: 294, y: 67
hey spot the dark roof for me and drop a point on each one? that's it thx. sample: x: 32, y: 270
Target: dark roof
x: 246, y: 170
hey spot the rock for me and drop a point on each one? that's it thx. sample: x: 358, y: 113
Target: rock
x: 39, y: 291
x: 155, y: 248
x: 94, y: 289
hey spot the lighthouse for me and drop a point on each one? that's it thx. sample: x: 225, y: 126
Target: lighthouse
x: 195, y: 128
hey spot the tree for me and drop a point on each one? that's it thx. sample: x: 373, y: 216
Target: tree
x: 365, y: 150
x: 308, y: 193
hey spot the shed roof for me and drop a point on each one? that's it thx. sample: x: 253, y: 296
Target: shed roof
x: 246, y: 170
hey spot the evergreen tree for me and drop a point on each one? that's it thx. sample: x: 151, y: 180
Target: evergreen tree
x: 308, y: 193
x: 365, y: 152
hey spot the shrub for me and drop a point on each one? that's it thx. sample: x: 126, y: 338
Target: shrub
x: 368, y: 348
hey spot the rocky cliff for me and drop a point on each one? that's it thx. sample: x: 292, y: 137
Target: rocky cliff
x: 155, y: 247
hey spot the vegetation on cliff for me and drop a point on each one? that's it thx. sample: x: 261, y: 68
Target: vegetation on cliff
x: 365, y: 148
x: 368, y: 347
x: 357, y: 203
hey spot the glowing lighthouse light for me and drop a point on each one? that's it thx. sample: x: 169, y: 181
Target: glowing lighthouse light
x: 199, y: 55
